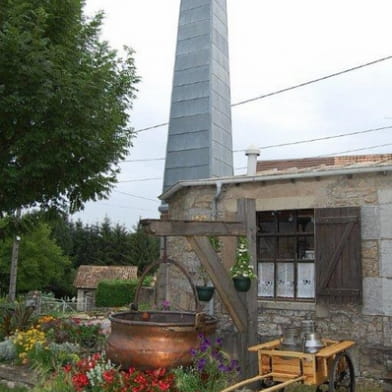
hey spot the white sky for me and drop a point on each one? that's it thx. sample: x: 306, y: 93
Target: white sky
x: 273, y: 44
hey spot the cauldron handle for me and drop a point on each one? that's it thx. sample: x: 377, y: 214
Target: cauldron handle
x: 134, y: 306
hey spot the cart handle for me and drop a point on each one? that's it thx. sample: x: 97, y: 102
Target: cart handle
x: 267, y: 375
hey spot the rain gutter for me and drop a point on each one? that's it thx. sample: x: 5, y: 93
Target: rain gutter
x: 267, y: 178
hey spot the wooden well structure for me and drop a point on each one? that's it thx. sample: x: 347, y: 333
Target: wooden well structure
x: 242, y: 307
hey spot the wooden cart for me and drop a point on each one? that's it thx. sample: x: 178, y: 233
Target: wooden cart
x: 331, y: 367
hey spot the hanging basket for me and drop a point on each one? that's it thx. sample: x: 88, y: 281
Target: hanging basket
x: 242, y: 283
x: 205, y: 293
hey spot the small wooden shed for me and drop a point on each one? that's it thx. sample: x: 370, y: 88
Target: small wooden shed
x: 88, y: 277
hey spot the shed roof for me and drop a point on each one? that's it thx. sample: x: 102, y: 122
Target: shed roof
x: 288, y: 169
x: 322, y: 163
x: 88, y: 276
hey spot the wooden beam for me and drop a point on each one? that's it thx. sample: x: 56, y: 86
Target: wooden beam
x: 192, y: 228
x: 246, y: 212
x: 221, y: 280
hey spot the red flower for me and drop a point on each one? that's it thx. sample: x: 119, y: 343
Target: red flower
x: 96, y: 357
x: 140, y: 379
x: 67, y: 368
x: 163, y: 386
x: 108, y: 376
x: 79, y: 381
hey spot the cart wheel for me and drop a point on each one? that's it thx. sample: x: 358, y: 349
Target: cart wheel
x: 341, y: 374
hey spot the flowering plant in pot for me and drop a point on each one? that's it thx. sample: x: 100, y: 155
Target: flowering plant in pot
x: 211, y: 370
x: 242, y: 271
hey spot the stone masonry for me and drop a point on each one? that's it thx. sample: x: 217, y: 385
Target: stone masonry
x: 369, y: 324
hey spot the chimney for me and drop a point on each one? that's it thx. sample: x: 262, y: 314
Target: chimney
x: 252, y: 153
x: 199, y: 141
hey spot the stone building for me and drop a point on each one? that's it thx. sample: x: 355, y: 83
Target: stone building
x: 324, y: 247
x: 88, y: 277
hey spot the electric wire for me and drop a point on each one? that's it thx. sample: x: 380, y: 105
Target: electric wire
x: 321, y: 138
x: 282, y: 144
x: 244, y: 167
x: 357, y: 149
x: 124, y: 207
x: 136, y: 196
x: 283, y: 90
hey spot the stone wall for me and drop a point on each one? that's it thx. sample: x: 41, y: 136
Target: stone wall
x: 370, y: 325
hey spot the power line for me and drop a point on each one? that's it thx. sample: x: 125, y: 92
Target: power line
x: 152, y: 127
x: 244, y: 167
x: 357, y: 149
x: 312, y: 81
x: 277, y: 145
x: 143, y: 160
x: 125, y: 207
x: 287, y: 88
x: 141, y: 179
x: 321, y: 138
x: 136, y: 196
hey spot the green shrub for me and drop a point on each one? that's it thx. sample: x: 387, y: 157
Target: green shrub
x: 115, y: 292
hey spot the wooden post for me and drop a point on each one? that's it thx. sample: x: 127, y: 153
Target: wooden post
x: 221, y: 280
x: 246, y: 209
x: 14, y: 269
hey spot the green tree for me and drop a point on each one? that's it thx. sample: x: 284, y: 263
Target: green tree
x: 41, y: 266
x: 64, y: 106
x: 145, y: 248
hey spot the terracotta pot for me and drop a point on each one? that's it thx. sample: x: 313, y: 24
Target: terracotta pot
x: 242, y: 283
x: 205, y: 293
x: 151, y: 340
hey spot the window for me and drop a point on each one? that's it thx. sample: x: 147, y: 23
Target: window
x: 307, y: 255
x: 286, y: 254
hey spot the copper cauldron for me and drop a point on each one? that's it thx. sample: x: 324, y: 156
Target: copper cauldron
x: 156, y: 339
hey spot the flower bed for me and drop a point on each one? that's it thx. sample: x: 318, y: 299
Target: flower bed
x: 65, y: 355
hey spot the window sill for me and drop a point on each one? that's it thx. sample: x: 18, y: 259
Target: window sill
x: 287, y: 305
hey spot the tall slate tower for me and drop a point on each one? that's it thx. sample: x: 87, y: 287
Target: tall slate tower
x: 200, y: 139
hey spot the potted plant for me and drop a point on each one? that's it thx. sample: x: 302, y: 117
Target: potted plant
x: 241, y: 271
x: 205, y: 291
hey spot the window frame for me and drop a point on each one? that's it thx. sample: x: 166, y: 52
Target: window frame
x: 295, y: 234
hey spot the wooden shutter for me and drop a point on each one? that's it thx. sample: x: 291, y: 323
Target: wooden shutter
x: 338, y: 255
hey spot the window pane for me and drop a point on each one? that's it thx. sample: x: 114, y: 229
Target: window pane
x: 305, y: 248
x: 285, y: 280
x: 286, y: 221
x: 267, y: 222
x: 286, y: 248
x: 305, y: 287
x: 266, y: 248
x: 266, y: 280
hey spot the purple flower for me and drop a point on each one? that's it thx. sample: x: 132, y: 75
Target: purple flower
x: 223, y: 368
x: 234, y: 365
x: 166, y: 305
x: 216, y: 354
x: 219, y: 341
x: 201, y: 363
x: 193, y: 352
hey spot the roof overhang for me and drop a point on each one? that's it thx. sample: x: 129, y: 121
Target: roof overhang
x: 279, y: 176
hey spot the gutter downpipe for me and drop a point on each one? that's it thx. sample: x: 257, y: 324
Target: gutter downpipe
x: 218, y: 185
